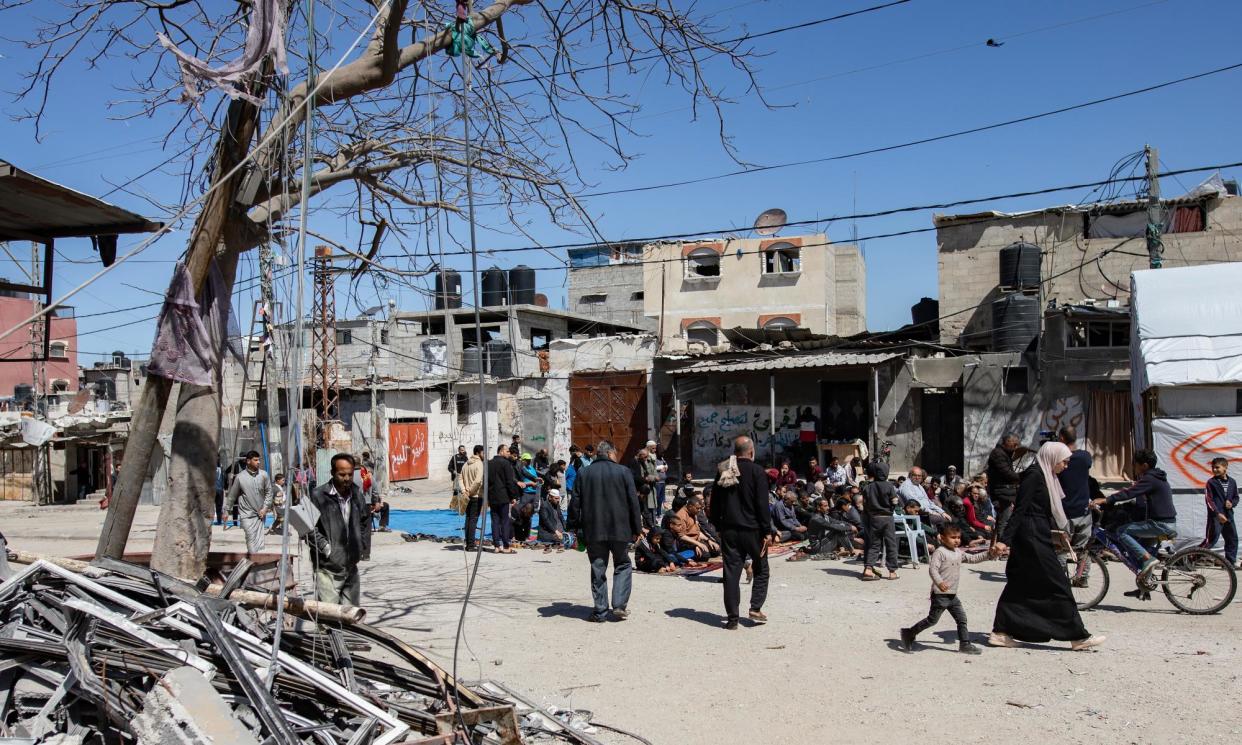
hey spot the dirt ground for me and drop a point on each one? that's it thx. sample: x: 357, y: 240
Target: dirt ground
x: 824, y: 669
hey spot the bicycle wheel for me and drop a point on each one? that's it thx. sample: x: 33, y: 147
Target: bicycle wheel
x: 1198, y: 581
x: 1091, y: 587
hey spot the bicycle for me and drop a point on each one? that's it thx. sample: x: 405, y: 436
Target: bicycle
x: 1195, y: 580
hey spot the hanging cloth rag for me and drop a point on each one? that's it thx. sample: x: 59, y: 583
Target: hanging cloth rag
x: 190, y: 336
x: 467, y: 39
x: 265, y: 36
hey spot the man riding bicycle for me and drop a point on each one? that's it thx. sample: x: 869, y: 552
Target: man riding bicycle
x: 1152, y: 513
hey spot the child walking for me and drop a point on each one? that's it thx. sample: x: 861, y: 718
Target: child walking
x: 945, y: 569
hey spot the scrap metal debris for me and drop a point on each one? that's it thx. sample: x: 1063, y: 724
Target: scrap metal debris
x: 128, y: 655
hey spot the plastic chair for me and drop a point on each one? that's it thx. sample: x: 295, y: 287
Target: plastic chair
x: 910, y: 527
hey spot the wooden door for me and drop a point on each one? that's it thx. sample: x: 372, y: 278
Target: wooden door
x: 609, y: 406
x: 407, y: 450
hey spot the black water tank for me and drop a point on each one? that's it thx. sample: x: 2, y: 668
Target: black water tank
x: 1015, y: 322
x: 495, y: 288
x: 925, y: 311
x: 1019, y: 266
x: 448, y: 289
x: 471, y: 360
x: 521, y: 285
x: 499, y: 359
x: 105, y: 388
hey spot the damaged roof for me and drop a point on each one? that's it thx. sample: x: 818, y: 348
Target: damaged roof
x: 33, y: 208
x: 787, y: 362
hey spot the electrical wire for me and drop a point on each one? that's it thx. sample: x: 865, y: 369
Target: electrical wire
x: 856, y: 216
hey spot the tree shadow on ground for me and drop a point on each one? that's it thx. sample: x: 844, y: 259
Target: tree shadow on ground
x: 690, y: 614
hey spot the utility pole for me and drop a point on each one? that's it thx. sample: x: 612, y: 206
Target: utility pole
x: 324, y: 378
x: 38, y: 379
x: 1155, y: 212
x: 271, y: 367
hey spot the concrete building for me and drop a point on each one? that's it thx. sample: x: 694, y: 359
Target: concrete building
x: 607, y: 282
x: 59, y: 373
x: 426, y: 366
x: 1062, y: 355
x: 696, y: 290
x: 1085, y: 254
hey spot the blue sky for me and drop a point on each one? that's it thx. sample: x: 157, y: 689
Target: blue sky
x: 1054, y: 54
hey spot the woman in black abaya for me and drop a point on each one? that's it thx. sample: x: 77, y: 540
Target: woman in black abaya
x: 1037, y: 604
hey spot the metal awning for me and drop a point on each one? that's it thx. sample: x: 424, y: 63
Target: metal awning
x: 786, y: 362
x: 35, y: 209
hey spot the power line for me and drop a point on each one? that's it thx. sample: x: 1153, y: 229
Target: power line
x: 911, y: 143
x: 738, y: 40
x: 856, y: 216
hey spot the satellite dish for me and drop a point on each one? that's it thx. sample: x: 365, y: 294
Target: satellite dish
x: 770, y: 221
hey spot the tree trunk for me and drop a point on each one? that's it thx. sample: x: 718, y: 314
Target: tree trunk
x: 221, y: 220
x: 183, y: 531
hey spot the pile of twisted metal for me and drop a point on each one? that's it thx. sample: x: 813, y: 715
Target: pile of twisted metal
x: 113, y: 652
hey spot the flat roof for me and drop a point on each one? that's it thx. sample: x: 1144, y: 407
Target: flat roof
x: 33, y: 208
x: 500, y: 313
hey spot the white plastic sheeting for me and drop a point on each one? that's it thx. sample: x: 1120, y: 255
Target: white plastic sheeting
x: 1187, y: 327
x: 1185, y: 448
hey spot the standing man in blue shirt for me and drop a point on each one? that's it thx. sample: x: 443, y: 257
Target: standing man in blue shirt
x: 1076, y: 483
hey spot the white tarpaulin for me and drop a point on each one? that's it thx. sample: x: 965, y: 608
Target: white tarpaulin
x: 1185, y: 449
x: 1187, y: 326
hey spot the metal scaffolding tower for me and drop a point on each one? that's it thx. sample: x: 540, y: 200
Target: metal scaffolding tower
x: 324, y: 384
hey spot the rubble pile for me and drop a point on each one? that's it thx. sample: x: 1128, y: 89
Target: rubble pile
x: 117, y: 653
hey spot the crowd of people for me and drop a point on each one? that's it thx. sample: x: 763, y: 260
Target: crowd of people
x: 841, y: 511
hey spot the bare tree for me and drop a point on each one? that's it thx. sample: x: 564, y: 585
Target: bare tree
x: 387, y: 151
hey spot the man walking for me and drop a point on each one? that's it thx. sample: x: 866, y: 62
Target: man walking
x: 472, y: 490
x: 502, y: 493
x: 254, y: 488
x: 739, y: 510
x: 336, y: 542
x: 608, y: 521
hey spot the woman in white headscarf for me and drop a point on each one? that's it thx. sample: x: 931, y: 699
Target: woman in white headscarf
x: 1037, y: 604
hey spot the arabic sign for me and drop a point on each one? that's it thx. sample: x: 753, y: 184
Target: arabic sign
x: 1185, y: 449
x: 716, y: 426
x: 407, y: 451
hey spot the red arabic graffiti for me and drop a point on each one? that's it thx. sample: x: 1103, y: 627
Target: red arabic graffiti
x: 1193, y: 455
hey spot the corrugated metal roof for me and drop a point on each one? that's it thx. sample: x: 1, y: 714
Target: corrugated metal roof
x: 786, y: 362
x: 33, y: 208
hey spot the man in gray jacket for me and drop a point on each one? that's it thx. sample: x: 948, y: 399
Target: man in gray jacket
x: 251, y: 491
x: 336, y: 542
x: 609, y: 521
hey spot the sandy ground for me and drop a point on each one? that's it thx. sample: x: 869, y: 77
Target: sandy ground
x: 825, y: 669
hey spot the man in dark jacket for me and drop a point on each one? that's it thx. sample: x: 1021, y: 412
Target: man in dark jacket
x: 456, y: 463
x: 608, y: 522
x: 336, y: 542
x: 1152, y: 515
x: 1003, y: 479
x: 879, y: 500
x: 502, y: 492
x: 739, y: 509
